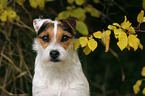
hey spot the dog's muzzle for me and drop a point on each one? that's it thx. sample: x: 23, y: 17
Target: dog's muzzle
x: 54, y: 54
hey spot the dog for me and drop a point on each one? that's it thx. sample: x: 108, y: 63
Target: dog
x: 58, y: 70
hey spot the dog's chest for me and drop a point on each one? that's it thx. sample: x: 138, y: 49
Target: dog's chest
x: 56, y: 88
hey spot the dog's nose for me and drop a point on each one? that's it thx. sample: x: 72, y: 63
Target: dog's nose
x: 54, y: 54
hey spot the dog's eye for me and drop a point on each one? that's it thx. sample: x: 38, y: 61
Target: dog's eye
x: 45, y: 38
x: 65, y: 38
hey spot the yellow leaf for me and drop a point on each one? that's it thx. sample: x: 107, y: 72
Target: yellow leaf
x: 133, y: 41
x: 117, y: 32
x: 128, y: 47
x: 131, y: 30
x: 143, y: 91
x: 92, y: 44
x: 143, y: 19
x: 140, y: 16
x: 108, y: 32
x: 123, y: 41
x: 76, y: 44
x: 111, y: 27
x: 116, y: 24
x: 125, y: 25
x: 20, y: 2
x: 87, y: 50
x: 97, y: 34
x: 136, y: 87
x: 140, y: 46
x: 143, y: 71
x: 83, y: 41
x: 106, y: 41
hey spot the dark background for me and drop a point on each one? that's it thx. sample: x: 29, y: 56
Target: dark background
x: 108, y: 75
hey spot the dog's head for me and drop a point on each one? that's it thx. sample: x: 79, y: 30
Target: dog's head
x: 54, y: 41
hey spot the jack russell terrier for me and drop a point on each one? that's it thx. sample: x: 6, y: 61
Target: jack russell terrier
x: 58, y: 70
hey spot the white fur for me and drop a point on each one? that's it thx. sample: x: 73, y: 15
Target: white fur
x: 37, y: 23
x: 64, y: 78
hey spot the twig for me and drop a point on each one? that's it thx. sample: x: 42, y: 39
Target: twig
x: 21, y: 24
x: 139, y: 30
x: 6, y: 91
x: 7, y: 58
x: 27, y: 12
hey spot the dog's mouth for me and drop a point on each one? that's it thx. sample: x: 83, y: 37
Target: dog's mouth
x: 55, y: 60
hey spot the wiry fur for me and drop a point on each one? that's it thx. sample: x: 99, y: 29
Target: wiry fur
x: 63, y: 78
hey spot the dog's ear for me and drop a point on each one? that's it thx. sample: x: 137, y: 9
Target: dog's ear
x: 69, y: 23
x: 37, y: 23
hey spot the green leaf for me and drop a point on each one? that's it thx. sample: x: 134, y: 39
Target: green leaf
x: 133, y: 41
x: 143, y: 4
x: 136, y: 87
x: 79, y: 2
x: 82, y: 28
x: 11, y: 13
x: 83, y: 41
x: 41, y: 4
x: 96, y: 1
x: 3, y: 16
x: 20, y: 2
x: 3, y: 4
x: 92, y: 44
x: 69, y: 8
x: 33, y: 3
x: 79, y: 13
x: 97, y: 34
x: 49, y: 0
x: 140, y: 16
x: 70, y: 1
x: 64, y: 14
x: 87, y: 50
x: 76, y: 44
x: 111, y: 27
x: 123, y: 40
x: 93, y: 12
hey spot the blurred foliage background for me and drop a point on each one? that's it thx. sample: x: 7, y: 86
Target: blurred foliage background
x: 110, y: 73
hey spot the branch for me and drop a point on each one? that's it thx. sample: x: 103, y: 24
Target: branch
x: 139, y: 30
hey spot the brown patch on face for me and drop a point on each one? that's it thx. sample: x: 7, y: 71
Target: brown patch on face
x: 50, y: 33
x: 60, y: 34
